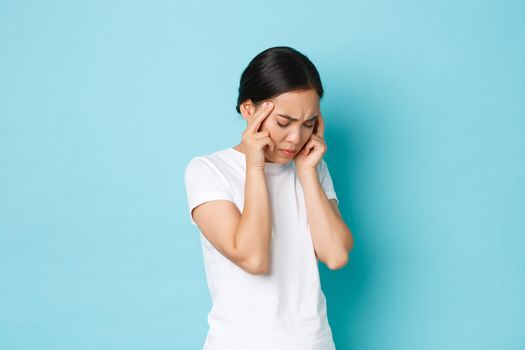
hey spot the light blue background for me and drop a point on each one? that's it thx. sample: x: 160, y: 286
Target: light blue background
x: 104, y: 103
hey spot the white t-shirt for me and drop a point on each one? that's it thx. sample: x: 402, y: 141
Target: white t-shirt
x: 285, y: 309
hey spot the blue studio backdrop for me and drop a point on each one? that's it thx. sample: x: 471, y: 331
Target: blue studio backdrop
x: 103, y: 103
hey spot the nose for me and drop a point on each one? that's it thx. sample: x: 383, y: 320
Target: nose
x: 294, y: 137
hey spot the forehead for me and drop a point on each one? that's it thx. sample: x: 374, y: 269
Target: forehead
x: 308, y: 96
x: 297, y: 104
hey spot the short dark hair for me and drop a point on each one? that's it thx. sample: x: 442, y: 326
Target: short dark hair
x: 277, y: 70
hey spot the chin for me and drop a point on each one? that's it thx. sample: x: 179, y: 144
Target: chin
x: 282, y: 160
x: 278, y: 159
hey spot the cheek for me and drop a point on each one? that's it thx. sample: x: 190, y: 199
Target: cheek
x: 269, y: 125
x: 276, y: 135
x: 274, y: 130
x: 307, y: 135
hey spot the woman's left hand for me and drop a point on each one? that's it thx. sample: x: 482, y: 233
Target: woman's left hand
x: 312, y: 152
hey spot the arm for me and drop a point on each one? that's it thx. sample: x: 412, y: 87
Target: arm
x: 331, y: 237
x: 242, y: 238
x: 254, y: 230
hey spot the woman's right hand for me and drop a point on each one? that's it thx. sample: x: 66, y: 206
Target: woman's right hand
x: 256, y: 141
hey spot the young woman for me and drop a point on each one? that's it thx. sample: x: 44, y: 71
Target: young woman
x: 267, y: 212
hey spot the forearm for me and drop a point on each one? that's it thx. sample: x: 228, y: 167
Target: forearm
x: 331, y: 237
x: 253, y: 235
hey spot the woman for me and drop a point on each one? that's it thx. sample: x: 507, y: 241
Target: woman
x: 267, y: 212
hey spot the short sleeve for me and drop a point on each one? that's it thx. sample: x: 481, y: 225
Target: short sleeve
x: 326, y: 181
x: 204, y: 182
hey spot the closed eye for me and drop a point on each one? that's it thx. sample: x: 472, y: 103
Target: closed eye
x: 285, y: 125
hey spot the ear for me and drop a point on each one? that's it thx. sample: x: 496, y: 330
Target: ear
x: 247, y: 109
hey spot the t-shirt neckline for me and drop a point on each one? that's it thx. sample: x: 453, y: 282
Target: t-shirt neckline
x: 268, y: 166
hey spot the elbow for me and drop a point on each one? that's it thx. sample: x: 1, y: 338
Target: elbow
x: 340, y: 262
x: 349, y: 242
x: 340, y: 259
x: 257, y: 267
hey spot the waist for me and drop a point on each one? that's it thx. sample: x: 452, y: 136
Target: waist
x: 275, y: 340
x: 250, y: 329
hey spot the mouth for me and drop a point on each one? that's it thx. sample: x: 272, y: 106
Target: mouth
x: 288, y: 153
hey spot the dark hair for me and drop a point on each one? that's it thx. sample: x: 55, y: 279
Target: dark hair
x: 275, y: 71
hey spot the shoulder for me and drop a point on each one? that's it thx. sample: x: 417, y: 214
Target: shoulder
x: 205, y: 158
x: 200, y: 164
x: 207, y: 164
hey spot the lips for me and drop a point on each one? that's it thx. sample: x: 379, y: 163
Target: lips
x: 288, y: 152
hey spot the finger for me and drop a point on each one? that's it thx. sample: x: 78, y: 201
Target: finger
x: 320, y: 125
x: 265, y: 142
x: 307, y: 147
x: 307, y: 151
x: 316, y: 142
x: 260, y: 115
x: 271, y: 144
x: 261, y: 134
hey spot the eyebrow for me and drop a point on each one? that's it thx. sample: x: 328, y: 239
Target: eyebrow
x: 292, y: 118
